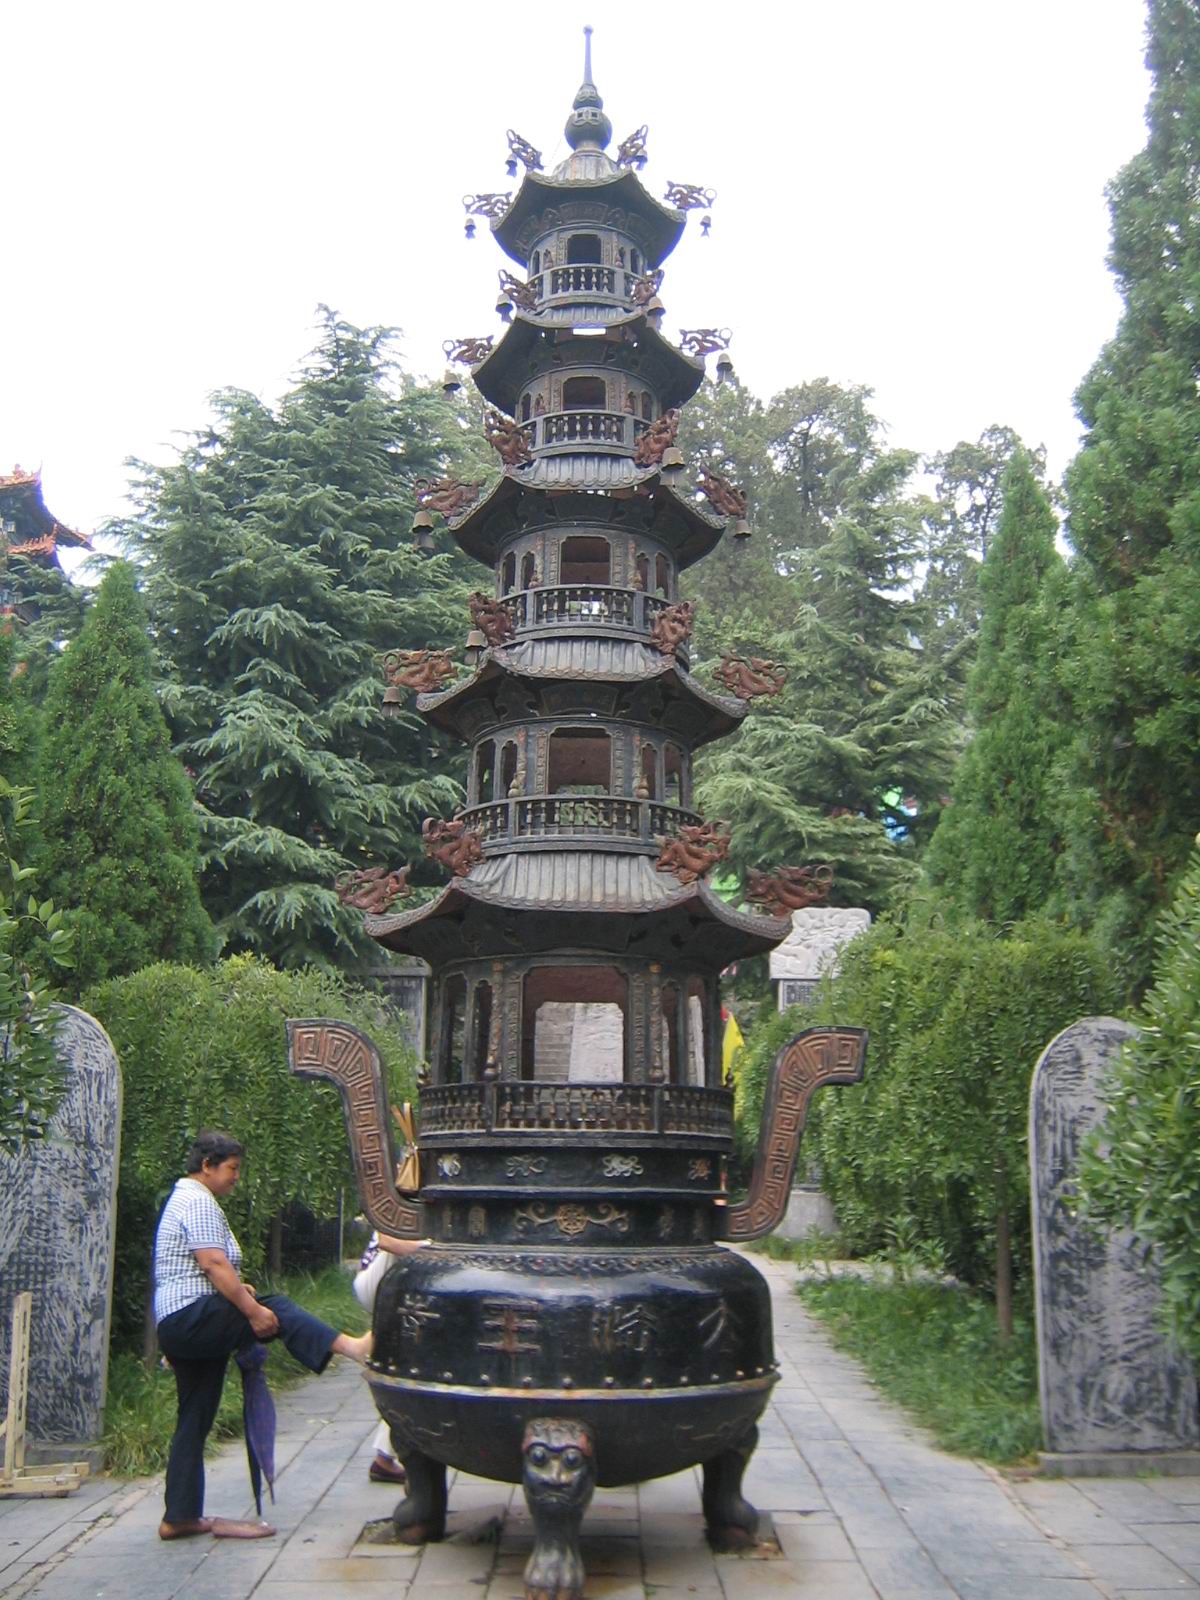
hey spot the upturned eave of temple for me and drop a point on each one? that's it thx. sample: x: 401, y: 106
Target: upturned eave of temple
x: 601, y: 901
x: 660, y: 226
x: 559, y: 489
x: 505, y: 370
x: 37, y: 532
x: 602, y: 661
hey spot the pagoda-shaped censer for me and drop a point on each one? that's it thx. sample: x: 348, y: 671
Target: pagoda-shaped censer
x: 573, y: 1320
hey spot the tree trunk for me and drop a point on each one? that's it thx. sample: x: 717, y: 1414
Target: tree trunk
x: 275, y: 1248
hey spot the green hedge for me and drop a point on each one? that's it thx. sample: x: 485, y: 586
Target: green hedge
x: 206, y: 1048
x: 933, y: 1142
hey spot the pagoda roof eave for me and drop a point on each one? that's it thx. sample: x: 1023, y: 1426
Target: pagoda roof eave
x: 664, y: 225
x: 582, y: 899
x: 499, y: 376
x: 520, y: 658
x: 471, y: 531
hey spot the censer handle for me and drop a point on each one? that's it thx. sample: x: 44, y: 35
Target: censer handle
x: 805, y: 1064
x: 320, y: 1048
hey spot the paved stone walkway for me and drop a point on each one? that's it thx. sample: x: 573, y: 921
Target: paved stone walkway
x: 863, y: 1507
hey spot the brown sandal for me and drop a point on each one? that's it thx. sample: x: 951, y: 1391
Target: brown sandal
x: 225, y: 1528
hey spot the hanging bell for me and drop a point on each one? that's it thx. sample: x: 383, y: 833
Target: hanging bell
x: 451, y: 383
x: 476, y: 645
x: 422, y: 530
x: 510, y: 166
x: 705, y: 227
x: 672, y: 461
x: 504, y: 308
x: 469, y: 227
x: 741, y: 534
x: 655, y: 311
x: 724, y: 367
x: 392, y: 701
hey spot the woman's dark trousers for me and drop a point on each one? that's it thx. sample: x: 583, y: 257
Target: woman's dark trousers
x: 198, y: 1342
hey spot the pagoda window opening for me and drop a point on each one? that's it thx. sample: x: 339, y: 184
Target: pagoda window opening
x: 454, y: 1019
x: 585, y: 561
x: 526, y: 407
x: 643, y: 571
x: 583, y: 249
x: 635, y: 261
x: 647, y: 405
x: 673, y: 775
x: 662, y: 577
x: 585, y: 394
x: 698, y: 1032
x: 535, y: 264
x: 485, y: 771
x: 528, y: 570
x: 670, y: 1031
x: 508, y: 573
x: 508, y: 767
x: 481, y: 1027
x: 575, y: 1025
x: 648, y: 789
x: 580, y: 762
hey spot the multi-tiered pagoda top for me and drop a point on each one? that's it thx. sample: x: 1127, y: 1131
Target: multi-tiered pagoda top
x: 27, y: 529
x: 579, y: 860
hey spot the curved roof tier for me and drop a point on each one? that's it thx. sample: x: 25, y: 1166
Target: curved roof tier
x: 614, y: 678
x: 508, y: 367
x: 590, y: 900
x: 587, y: 187
x: 562, y: 490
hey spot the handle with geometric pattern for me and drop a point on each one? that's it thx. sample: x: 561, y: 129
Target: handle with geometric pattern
x: 804, y: 1065
x: 321, y: 1048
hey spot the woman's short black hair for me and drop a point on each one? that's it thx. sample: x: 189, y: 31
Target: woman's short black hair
x: 210, y: 1147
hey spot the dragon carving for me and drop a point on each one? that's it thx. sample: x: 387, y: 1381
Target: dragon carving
x: 647, y: 286
x: 446, y: 495
x: 747, y: 676
x: 689, y: 196
x: 422, y: 670
x: 491, y: 617
x: 695, y: 851
x: 659, y: 436
x: 487, y: 205
x: 521, y: 294
x: 724, y: 497
x: 373, y: 890
x: 789, y: 889
x: 631, y: 152
x: 521, y: 150
x: 469, y: 351
x: 673, y: 626
x: 451, y: 844
x: 703, y: 341
x: 507, y: 438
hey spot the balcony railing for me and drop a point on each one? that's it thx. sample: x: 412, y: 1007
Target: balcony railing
x: 521, y: 1106
x: 583, y: 278
x: 597, y: 430
x: 598, y: 604
x: 569, y: 816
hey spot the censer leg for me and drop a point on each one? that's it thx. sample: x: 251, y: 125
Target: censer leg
x: 559, y: 1476
x: 420, y: 1518
x: 731, y: 1520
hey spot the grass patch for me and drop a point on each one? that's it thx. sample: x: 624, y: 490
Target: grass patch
x: 139, y: 1417
x: 934, y: 1350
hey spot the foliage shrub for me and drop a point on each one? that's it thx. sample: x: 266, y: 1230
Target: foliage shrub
x: 206, y: 1048
x: 934, y: 1140
x: 1142, y: 1167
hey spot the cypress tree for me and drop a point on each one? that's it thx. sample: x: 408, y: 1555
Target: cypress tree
x: 119, y: 835
x: 995, y: 848
x: 279, y: 569
x: 1133, y: 797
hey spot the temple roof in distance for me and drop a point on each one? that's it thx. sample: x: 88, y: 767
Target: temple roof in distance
x: 37, y: 532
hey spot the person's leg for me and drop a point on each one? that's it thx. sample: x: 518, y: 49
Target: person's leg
x: 198, y: 1387
x: 310, y: 1340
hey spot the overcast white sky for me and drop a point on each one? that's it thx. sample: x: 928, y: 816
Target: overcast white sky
x: 910, y: 196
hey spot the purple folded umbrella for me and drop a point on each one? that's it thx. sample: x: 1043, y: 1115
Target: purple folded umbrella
x: 258, y: 1416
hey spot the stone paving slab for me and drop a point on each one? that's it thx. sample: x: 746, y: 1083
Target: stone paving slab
x: 862, y: 1506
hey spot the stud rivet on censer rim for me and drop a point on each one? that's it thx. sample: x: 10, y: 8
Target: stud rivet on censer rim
x: 568, y: 1383
x: 448, y: 1376
x: 527, y: 1383
x: 484, y: 1378
x: 608, y: 1382
x: 647, y: 1383
x: 412, y: 1372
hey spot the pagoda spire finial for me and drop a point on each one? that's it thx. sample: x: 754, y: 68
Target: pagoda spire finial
x: 587, y: 125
